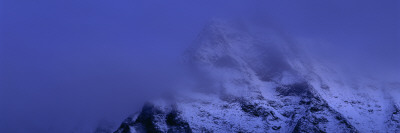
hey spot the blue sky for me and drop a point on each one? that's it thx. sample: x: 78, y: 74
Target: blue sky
x: 60, y: 61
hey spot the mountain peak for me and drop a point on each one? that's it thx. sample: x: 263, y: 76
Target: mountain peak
x: 252, y: 82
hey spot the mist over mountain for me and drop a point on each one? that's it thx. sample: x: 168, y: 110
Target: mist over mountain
x: 214, y: 66
x: 260, y: 82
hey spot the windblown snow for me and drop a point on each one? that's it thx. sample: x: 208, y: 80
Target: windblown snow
x: 258, y: 82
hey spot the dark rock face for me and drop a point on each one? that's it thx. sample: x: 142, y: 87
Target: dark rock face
x: 307, y: 114
x: 125, y: 126
x: 254, y: 109
x: 147, y: 118
x: 176, y: 124
x: 258, y: 111
x: 394, y: 120
x: 318, y: 123
x: 149, y: 121
x: 313, y: 114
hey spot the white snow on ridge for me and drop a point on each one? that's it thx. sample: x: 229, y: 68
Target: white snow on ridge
x: 262, y: 85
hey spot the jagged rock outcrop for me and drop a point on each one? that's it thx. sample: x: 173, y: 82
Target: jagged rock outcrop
x: 259, y: 82
x: 155, y: 120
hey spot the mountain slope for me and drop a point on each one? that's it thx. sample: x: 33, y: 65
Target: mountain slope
x: 256, y: 81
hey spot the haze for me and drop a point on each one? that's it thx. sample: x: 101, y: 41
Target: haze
x: 65, y: 66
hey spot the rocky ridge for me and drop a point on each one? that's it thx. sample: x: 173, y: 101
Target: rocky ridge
x: 262, y: 83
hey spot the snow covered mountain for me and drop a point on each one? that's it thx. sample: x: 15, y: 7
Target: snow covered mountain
x: 257, y: 81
